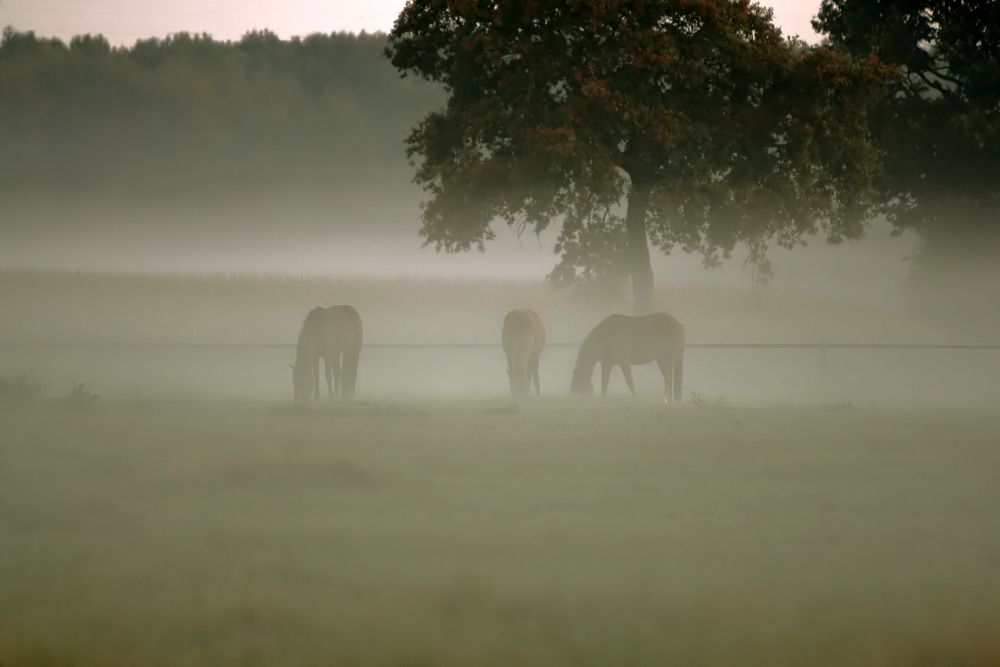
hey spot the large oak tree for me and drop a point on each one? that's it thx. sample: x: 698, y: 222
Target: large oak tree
x: 709, y: 126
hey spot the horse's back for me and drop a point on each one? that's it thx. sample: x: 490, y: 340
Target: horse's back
x: 662, y: 323
x: 523, y: 324
x: 641, y: 338
x: 341, y: 328
x: 667, y: 325
x: 346, y: 316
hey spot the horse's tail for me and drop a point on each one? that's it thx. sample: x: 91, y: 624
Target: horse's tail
x: 679, y: 375
x: 523, y: 345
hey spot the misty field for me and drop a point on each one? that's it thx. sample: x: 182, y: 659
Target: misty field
x: 587, y: 532
x: 92, y: 328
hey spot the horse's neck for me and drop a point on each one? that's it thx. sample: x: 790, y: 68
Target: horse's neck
x: 587, y: 358
x: 307, y: 348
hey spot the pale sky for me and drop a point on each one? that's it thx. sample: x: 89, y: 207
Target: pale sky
x: 124, y: 21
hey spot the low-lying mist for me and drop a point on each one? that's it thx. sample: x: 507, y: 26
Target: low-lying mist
x: 221, y: 336
x: 209, y: 190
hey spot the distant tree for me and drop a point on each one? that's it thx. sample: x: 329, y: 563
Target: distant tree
x: 940, y: 124
x: 714, y: 129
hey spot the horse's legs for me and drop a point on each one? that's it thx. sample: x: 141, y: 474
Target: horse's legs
x: 627, y: 372
x: 605, y: 377
x: 510, y: 371
x: 350, y: 372
x: 329, y: 375
x: 338, y: 385
x: 667, y: 368
x: 534, y: 373
x: 316, y: 376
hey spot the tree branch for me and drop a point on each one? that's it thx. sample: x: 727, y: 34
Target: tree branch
x: 949, y: 94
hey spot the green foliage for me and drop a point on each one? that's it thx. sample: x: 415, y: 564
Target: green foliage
x: 187, y: 110
x: 591, y: 252
x: 729, y: 133
x: 940, y: 127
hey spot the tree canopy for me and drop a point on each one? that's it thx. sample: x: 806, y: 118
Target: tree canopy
x: 698, y: 114
x: 189, y: 110
x: 940, y: 125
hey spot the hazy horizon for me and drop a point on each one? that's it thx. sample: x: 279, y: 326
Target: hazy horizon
x: 125, y: 21
x: 336, y: 229
x: 351, y: 233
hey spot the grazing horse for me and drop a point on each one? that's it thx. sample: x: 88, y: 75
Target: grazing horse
x: 328, y: 333
x: 523, y: 337
x: 620, y: 340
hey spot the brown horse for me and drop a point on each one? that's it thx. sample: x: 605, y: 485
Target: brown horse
x: 523, y: 337
x: 328, y: 333
x: 620, y: 340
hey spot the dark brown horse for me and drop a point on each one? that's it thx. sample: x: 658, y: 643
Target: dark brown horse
x: 328, y: 333
x: 620, y: 340
x: 523, y: 337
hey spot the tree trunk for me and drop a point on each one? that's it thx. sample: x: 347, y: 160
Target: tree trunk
x: 637, y: 250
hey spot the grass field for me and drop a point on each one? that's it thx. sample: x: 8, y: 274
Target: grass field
x: 441, y: 533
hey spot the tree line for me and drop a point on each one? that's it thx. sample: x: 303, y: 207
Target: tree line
x: 662, y: 124
x: 189, y: 110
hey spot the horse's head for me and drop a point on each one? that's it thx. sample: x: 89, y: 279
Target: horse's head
x: 581, y: 384
x: 519, y: 382
x: 303, y: 381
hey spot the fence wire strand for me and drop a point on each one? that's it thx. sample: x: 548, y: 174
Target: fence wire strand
x: 461, y: 346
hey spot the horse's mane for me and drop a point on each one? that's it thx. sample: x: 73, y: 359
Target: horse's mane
x: 310, y: 323
x: 594, y: 335
x: 585, y: 355
x: 313, y: 315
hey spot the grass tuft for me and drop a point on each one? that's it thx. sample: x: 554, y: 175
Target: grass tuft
x: 23, y: 387
x: 509, y: 409
x: 81, y: 397
x: 704, y: 403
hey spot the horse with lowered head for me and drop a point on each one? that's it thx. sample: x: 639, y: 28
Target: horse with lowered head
x: 328, y: 333
x: 621, y: 340
x: 522, y: 337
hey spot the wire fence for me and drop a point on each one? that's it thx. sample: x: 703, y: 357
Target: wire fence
x: 921, y: 373
x: 461, y: 346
